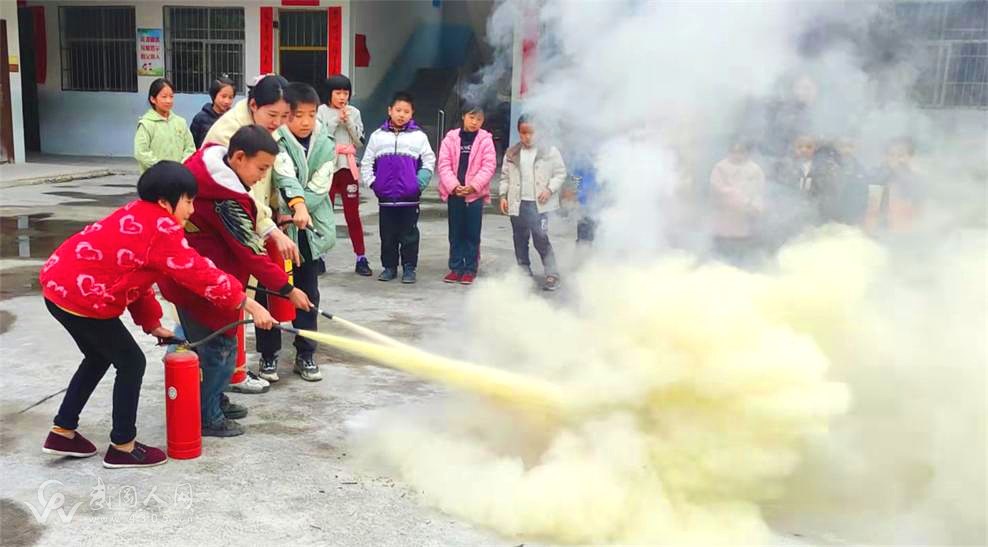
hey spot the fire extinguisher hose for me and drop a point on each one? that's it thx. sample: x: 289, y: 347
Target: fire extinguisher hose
x: 190, y: 345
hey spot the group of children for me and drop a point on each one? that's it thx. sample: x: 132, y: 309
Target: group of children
x: 251, y: 187
x: 818, y: 182
x: 247, y: 190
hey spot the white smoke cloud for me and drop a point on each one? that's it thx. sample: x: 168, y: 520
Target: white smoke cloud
x: 714, y: 396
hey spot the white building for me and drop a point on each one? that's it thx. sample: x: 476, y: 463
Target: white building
x: 75, y: 73
x: 79, y: 70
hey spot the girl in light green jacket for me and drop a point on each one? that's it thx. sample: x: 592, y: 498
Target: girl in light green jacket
x: 162, y: 134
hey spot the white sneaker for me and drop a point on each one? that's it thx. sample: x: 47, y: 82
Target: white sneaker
x: 251, y: 385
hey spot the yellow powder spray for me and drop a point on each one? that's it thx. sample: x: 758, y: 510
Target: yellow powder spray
x: 500, y: 385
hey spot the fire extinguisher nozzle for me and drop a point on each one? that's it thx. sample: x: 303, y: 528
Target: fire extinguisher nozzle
x: 326, y: 314
x: 287, y: 328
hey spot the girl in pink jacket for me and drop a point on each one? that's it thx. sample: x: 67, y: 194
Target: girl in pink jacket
x: 467, y: 161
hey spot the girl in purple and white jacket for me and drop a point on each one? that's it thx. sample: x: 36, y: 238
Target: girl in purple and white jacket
x: 398, y: 165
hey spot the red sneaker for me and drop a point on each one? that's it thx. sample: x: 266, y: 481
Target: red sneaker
x: 76, y: 447
x: 451, y: 277
x: 142, y: 456
x: 467, y: 278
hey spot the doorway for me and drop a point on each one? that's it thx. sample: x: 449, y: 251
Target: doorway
x: 6, y: 117
x: 29, y: 76
x: 302, y: 46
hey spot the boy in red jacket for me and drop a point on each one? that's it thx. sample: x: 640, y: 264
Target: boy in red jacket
x: 110, y: 266
x: 222, y: 229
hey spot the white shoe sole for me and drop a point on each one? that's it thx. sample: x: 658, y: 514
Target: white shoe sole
x: 132, y: 465
x: 70, y: 454
x: 249, y: 391
x: 269, y: 377
x: 308, y: 378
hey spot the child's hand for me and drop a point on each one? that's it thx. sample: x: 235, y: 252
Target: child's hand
x: 300, y: 300
x: 504, y: 206
x: 162, y: 333
x: 301, y: 218
x: 344, y: 114
x: 262, y: 317
x: 544, y: 196
x: 466, y: 190
x: 286, y: 247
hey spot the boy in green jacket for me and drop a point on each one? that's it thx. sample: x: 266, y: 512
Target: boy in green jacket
x: 303, y: 173
x: 162, y: 134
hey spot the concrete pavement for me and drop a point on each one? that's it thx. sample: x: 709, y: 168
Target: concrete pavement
x: 45, y: 169
x: 292, y: 478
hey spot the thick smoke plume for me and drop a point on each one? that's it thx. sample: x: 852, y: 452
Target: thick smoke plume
x: 836, y: 389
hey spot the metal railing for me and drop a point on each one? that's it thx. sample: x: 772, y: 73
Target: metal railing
x: 440, y: 127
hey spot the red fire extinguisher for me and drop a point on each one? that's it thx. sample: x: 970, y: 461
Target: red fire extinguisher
x: 182, y: 378
x: 240, y: 373
x: 281, y: 309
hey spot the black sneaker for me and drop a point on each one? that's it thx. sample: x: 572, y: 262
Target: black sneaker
x: 307, y: 369
x: 231, y: 410
x: 226, y: 428
x: 363, y: 268
x: 408, y: 275
x: 268, y: 369
x: 388, y: 274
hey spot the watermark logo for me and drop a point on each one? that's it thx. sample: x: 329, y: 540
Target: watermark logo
x: 127, y: 501
x: 55, y: 503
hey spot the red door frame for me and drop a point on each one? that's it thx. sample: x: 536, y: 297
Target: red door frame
x: 6, y: 114
x: 334, y: 36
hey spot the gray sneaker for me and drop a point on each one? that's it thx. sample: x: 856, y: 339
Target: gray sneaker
x: 551, y: 283
x: 226, y: 428
x: 251, y: 385
x: 388, y: 274
x: 307, y: 369
x: 267, y: 369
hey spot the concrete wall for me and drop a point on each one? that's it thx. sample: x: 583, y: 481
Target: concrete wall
x: 8, y: 12
x: 388, y: 24
x: 103, y: 123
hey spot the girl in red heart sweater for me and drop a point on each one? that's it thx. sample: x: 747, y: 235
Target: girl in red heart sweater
x: 109, y: 267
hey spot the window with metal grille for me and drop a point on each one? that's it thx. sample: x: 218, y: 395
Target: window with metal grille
x: 202, y: 44
x: 954, y: 52
x: 99, y: 48
x: 303, y: 36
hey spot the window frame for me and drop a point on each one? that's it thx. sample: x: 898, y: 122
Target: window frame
x: 64, y: 47
x: 945, y: 47
x: 208, y: 74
